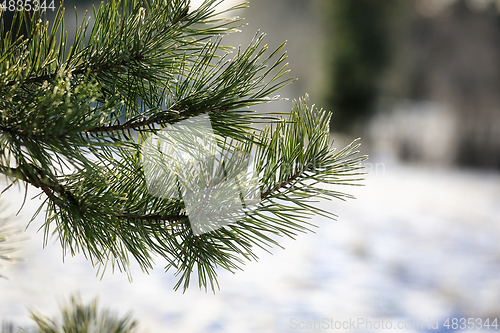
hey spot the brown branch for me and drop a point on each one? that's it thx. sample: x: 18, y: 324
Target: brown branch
x: 96, y: 70
x: 182, y: 15
x: 40, y: 79
x: 170, y: 116
x: 280, y: 186
x: 36, y: 179
x: 157, y: 217
x: 124, y: 127
x: 285, y: 183
x: 40, y: 137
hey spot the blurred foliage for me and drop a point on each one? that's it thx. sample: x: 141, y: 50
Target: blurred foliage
x: 358, y: 52
x: 79, y: 318
x: 7, y: 237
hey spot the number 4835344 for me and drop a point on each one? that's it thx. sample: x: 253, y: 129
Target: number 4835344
x: 470, y: 323
x: 27, y: 5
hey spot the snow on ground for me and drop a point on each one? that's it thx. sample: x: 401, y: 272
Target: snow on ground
x: 417, y: 245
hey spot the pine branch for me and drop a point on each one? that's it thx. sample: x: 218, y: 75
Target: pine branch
x: 145, y: 65
x: 280, y: 212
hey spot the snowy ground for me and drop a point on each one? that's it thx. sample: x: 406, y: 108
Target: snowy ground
x: 417, y: 245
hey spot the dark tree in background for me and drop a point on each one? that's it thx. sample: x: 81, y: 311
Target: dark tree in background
x: 357, y: 54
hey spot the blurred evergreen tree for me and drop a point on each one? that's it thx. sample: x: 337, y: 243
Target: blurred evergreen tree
x: 78, y: 318
x: 359, y: 51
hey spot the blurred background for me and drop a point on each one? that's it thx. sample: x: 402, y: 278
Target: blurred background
x: 419, y: 82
